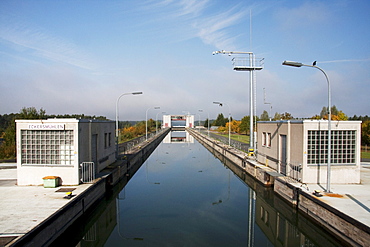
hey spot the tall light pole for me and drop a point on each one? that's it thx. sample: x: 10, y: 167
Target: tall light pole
x: 146, y: 120
x: 246, y: 64
x: 156, y: 121
x: 297, y: 64
x: 220, y: 104
x: 117, y: 131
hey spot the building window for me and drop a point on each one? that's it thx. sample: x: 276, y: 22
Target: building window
x: 264, y: 139
x: 47, y: 147
x: 110, y: 139
x: 105, y: 140
x: 343, y: 147
x: 268, y: 139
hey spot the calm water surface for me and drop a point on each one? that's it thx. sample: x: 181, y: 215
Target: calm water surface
x: 184, y: 196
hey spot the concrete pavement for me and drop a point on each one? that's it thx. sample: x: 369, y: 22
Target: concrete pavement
x: 350, y: 199
x: 22, y: 208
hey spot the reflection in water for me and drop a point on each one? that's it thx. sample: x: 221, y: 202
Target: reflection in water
x: 183, y: 196
x: 178, y: 136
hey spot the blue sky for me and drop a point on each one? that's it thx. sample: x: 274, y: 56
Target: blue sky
x: 79, y: 56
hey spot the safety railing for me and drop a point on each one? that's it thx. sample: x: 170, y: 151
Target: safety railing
x: 87, y: 172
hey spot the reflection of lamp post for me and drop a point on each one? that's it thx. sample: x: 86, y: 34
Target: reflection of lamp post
x: 117, y: 132
x: 220, y: 104
x: 146, y: 121
x: 146, y: 166
x: 228, y: 193
x: 296, y: 64
x: 118, y: 222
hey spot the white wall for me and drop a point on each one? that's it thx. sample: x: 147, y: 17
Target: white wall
x: 32, y: 174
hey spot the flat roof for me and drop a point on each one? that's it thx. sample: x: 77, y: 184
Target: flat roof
x: 309, y: 121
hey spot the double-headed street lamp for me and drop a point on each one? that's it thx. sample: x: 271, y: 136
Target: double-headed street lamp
x: 146, y: 120
x: 297, y: 64
x: 220, y: 104
x: 117, y: 129
x: 247, y: 64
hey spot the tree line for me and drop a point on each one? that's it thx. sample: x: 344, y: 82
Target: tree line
x: 8, y: 128
x: 129, y: 130
x: 243, y: 126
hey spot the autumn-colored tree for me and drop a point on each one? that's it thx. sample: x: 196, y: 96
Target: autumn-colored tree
x: 234, y: 127
x: 335, y: 114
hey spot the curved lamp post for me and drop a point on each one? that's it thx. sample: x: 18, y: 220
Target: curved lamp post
x: 296, y: 64
x: 117, y: 131
x: 220, y: 104
x: 146, y: 120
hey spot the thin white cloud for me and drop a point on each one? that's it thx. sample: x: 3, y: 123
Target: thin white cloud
x: 193, y: 7
x: 38, y: 42
x: 213, y: 29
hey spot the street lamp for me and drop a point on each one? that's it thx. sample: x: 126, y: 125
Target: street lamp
x: 247, y: 64
x: 220, y: 104
x: 156, y: 122
x: 117, y: 132
x: 296, y: 64
x: 146, y: 121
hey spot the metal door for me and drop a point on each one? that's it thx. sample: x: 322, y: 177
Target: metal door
x: 283, y: 156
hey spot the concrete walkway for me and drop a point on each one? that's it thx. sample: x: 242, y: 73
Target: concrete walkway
x: 22, y: 208
x: 350, y: 199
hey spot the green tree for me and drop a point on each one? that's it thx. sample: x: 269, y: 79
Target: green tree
x: 365, y: 133
x: 264, y: 116
x: 206, y: 123
x: 31, y: 113
x: 244, y: 125
x: 220, y: 121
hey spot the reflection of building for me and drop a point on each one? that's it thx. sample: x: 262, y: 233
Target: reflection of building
x: 178, y: 137
x: 186, y: 121
x: 57, y: 147
x: 276, y: 228
x: 300, y: 149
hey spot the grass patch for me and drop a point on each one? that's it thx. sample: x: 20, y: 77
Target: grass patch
x: 236, y: 137
x: 365, y: 155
